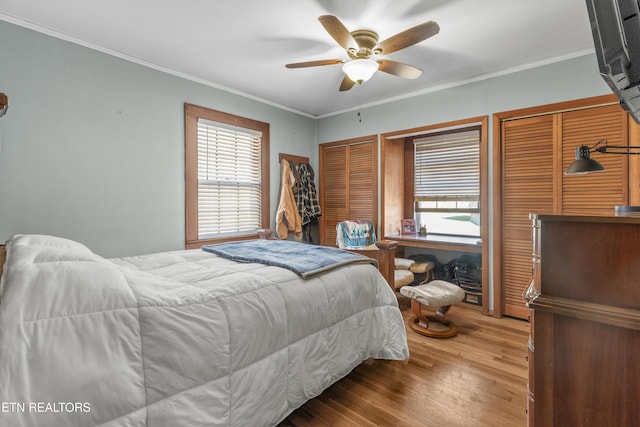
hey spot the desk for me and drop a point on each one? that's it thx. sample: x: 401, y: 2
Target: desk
x: 438, y: 241
x: 449, y: 243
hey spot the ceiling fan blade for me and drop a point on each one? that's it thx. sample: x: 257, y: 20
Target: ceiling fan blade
x: 408, y: 37
x: 346, y: 84
x: 338, y: 31
x: 399, y: 69
x: 315, y: 63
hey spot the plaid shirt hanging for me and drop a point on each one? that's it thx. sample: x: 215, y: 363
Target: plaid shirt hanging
x: 306, y: 195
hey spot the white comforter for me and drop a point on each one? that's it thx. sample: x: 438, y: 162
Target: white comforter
x: 178, y: 339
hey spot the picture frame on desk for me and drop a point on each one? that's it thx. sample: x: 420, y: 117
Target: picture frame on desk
x: 408, y: 226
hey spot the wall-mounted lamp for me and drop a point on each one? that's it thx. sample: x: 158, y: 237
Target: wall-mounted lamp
x: 585, y: 164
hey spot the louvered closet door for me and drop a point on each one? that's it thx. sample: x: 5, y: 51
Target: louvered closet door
x: 597, y: 193
x: 527, y: 185
x: 362, y: 181
x: 333, y: 191
x: 348, y: 185
x: 533, y: 181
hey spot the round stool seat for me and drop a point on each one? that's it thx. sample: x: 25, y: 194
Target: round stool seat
x: 402, y: 278
x: 422, y: 267
x: 403, y: 263
x: 436, y: 293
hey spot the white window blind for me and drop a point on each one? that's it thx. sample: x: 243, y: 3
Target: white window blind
x: 447, y: 168
x: 229, y: 184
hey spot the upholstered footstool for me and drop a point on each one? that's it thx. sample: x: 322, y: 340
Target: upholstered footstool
x: 437, y: 295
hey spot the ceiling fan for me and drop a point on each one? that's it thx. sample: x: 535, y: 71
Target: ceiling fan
x: 362, y: 45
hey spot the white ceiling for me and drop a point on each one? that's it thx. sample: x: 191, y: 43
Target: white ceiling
x: 243, y: 45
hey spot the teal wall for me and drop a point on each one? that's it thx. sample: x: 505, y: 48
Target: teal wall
x: 92, y: 147
x: 560, y: 81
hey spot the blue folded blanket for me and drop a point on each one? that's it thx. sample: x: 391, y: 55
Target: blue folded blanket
x: 304, y: 259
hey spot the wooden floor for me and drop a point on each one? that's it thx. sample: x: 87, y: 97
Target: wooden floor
x: 478, y: 378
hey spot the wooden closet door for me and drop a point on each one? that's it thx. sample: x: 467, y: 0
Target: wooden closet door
x: 527, y: 187
x: 348, y: 184
x: 363, y: 179
x: 596, y: 193
x: 333, y: 191
x: 535, y: 153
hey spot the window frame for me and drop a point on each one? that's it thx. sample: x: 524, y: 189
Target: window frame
x: 412, y: 142
x: 191, y: 115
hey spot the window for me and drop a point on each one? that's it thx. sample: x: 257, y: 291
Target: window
x: 227, y: 176
x: 447, y: 182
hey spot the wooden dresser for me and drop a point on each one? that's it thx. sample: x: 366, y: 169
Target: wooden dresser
x: 584, y: 348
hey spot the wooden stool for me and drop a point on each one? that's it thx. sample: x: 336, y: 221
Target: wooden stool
x: 422, y: 270
x: 438, y: 295
x: 402, y: 278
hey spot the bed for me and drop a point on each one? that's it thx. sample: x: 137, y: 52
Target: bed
x: 182, y: 338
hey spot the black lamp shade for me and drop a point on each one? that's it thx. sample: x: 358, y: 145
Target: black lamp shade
x: 583, y: 163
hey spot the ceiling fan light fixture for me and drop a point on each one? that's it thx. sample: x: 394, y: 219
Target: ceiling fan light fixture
x: 362, y: 44
x: 360, y: 70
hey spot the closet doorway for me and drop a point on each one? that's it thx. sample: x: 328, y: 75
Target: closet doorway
x: 532, y: 148
x: 348, y: 184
